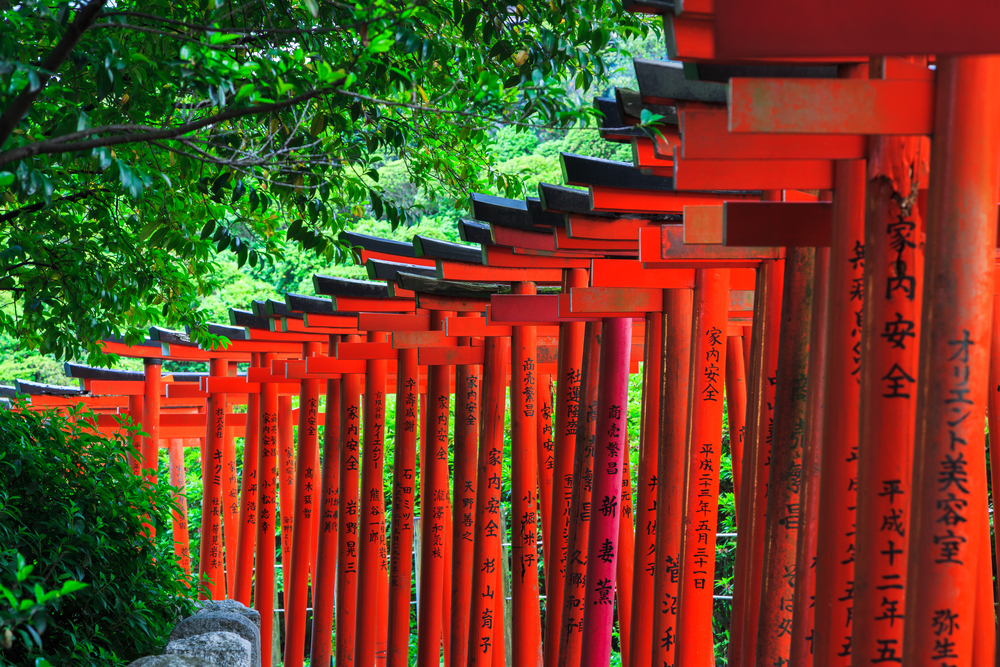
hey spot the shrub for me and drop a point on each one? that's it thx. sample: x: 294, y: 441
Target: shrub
x: 71, y: 511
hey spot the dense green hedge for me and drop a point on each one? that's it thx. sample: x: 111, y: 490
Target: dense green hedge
x: 71, y: 511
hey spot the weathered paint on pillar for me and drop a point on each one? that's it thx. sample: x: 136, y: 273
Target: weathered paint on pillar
x: 803, y: 616
x: 675, y: 379
x: 949, y: 459
x: 894, y: 250
x: 610, y: 447
x: 695, y: 645
x: 785, y: 479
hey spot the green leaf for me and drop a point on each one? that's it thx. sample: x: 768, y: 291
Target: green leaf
x: 6, y: 179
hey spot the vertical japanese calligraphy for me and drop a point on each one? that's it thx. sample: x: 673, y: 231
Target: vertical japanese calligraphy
x: 372, y: 556
x: 526, y: 640
x: 894, y: 251
x: 267, y: 473
x: 575, y: 581
x: 347, y: 558
x: 463, y: 505
x: 610, y: 447
x: 487, y: 594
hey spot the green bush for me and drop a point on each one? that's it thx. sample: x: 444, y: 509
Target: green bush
x: 71, y: 511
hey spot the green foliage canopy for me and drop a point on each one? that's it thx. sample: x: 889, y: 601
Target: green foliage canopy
x: 140, y: 139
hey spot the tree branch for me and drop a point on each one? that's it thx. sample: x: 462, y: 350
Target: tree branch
x: 13, y: 114
x: 61, y: 145
x: 38, y: 207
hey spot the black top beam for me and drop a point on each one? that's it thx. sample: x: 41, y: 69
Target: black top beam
x: 380, y: 270
x: 722, y: 73
x: 471, y: 231
x: 505, y: 213
x: 455, y: 252
x: 81, y: 372
x: 42, y: 389
x: 348, y: 287
x: 245, y: 318
x: 378, y: 244
x: 661, y: 80
x: 580, y: 170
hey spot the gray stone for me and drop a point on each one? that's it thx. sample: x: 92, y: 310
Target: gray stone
x: 223, y: 649
x: 170, y: 661
x: 217, y: 621
x: 231, y: 607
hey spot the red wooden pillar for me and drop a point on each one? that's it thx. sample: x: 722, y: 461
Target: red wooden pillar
x: 467, y: 387
x: 230, y: 507
x: 545, y: 462
x: 803, y: 616
x: 403, y: 477
x: 838, y: 483
x: 324, y: 583
x: 643, y: 566
x: 570, y: 365
x: 785, y: 475
x: 486, y: 617
x: 736, y: 407
x: 695, y: 645
x: 151, y: 417
x: 753, y: 478
x: 624, y: 577
x: 210, y: 566
x: 675, y: 377
x: 267, y: 463
x: 888, y: 399
x: 526, y: 644
x: 434, y: 505
x: 286, y: 491
x: 949, y: 459
x: 135, y: 405
x: 609, y: 449
x: 347, y: 559
x: 574, y: 590
x: 371, y: 520
x: 182, y: 543
x: 247, y: 537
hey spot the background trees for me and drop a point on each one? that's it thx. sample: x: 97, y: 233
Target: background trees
x: 138, y: 141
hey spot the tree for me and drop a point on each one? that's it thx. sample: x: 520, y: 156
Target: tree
x: 140, y: 139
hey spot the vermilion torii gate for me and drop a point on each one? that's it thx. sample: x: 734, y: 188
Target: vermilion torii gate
x: 808, y: 239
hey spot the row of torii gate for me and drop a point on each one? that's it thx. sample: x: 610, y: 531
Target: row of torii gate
x: 813, y: 243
